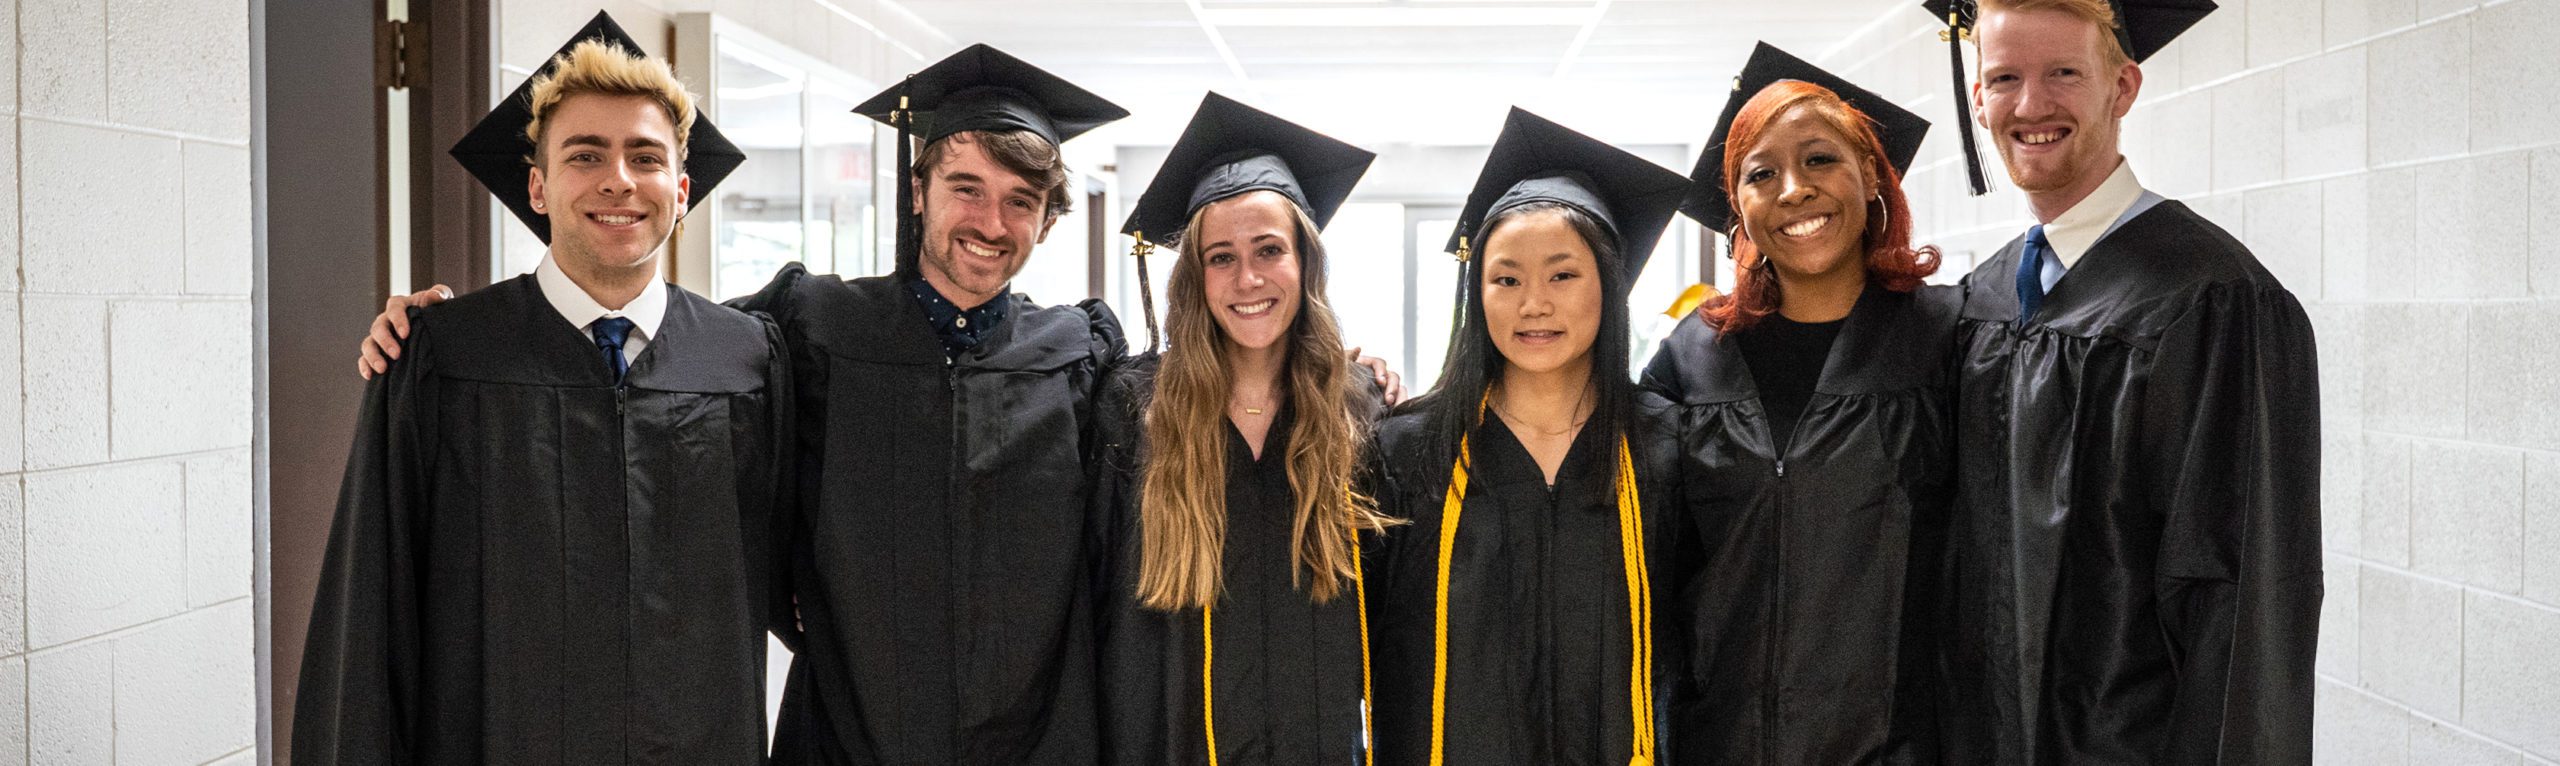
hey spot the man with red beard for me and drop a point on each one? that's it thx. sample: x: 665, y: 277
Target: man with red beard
x: 2135, y: 555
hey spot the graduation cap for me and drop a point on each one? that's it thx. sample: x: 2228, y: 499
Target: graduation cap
x: 497, y: 151
x: 1536, y: 160
x: 978, y: 88
x: 1227, y: 150
x: 1710, y: 202
x: 2143, y: 27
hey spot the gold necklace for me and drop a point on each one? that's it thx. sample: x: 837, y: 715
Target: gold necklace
x: 1248, y: 409
x: 1569, y: 428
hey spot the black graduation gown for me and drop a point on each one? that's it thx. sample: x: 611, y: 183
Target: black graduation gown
x: 2136, y: 550
x: 1539, y: 645
x: 531, y: 565
x: 1286, y: 671
x: 1804, y: 578
x: 938, y: 558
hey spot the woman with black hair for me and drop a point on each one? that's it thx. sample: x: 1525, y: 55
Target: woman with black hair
x: 1513, y: 615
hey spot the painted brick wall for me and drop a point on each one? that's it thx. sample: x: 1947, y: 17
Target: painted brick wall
x: 2397, y: 164
x: 126, y: 624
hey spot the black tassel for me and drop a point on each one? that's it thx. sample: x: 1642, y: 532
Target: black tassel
x: 1146, y: 290
x: 1955, y: 34
x: 910, y: 230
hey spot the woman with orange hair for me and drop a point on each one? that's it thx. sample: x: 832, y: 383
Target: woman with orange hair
x: 1813, y: 415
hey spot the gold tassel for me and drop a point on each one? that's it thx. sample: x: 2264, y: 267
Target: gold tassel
x: 1956, y: 30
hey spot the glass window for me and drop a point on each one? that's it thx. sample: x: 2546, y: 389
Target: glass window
x: 841, y: 221
x: 1364, y: 247
x: 760, y: 221
x: 1673, y: 267
x: 1435, y: 281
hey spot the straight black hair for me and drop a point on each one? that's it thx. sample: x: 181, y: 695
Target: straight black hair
x: 1474, y: 365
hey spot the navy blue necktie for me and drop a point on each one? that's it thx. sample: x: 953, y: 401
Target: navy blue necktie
x: 2031, y: 274
x: 610, y: 332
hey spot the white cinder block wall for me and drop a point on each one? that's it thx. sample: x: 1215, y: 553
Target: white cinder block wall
x: 2397, y: 164
x: 126, y: 624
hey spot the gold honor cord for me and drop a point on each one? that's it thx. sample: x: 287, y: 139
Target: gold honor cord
x: 1360, y: 588
x: 1450, y: 504
x: 1209, y: 653
x: 1208, y: 686
x: 1639, y: 603
x: 1639, y: 607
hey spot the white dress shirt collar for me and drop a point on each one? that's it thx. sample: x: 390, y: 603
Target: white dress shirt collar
x: 582, y: 310
x: 2078, y: 229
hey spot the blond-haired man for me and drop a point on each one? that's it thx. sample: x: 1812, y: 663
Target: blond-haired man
x: 2135, y: 561
x: 553, y: 544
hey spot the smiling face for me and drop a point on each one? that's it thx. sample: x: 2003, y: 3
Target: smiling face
x: 1249, y: 267
x: 1802, y: 194
x: 980, y: 221
x: 1542, y: 296
x: 2052, y: 100
x: 610, y: 181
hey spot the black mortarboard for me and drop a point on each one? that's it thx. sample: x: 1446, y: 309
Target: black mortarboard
x: 497, y: 152
x: 1229, y: 149
x: 981, y: 88
x: 2143, y: 27
x: 978, y: 88
x: 1535, y: 160
x: 1901, y: 130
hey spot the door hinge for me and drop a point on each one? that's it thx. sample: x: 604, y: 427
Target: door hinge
x: 399, y: 55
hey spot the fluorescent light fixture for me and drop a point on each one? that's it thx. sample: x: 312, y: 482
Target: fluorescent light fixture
x: 1219, y: 42
x: 1573, y: 52
x: 1402, y: 16
x: 866, y: 24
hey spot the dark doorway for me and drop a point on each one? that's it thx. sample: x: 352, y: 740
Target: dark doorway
x: 323, y: 164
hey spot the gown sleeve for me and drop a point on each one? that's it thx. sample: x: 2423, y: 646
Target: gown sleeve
x: 774, y: 508
x: 361, y: 676
x: 775, y: 298
x: 1130, y: 673
x: 2232, y: 446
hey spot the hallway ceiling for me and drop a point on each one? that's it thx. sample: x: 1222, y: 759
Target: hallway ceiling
x: 1407, y: 71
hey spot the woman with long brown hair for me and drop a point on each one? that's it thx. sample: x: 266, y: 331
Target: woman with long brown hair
x: 1813, y: 412
x: 1514, y: 612
x: 1231, y: 623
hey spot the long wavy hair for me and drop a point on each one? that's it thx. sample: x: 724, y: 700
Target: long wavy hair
x: 1474, y: 364
x: 1182, y: 514
x: 1891, y: 261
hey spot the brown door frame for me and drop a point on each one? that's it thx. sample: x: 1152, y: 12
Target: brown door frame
x: 318, y: 74
x: 449, y: 235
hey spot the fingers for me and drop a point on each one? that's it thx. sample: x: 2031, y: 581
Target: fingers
x: 383, y: 337
x: 395, y: 312
x: 397, y: 308
x: 1395, y: 389
x: 369, y: 359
